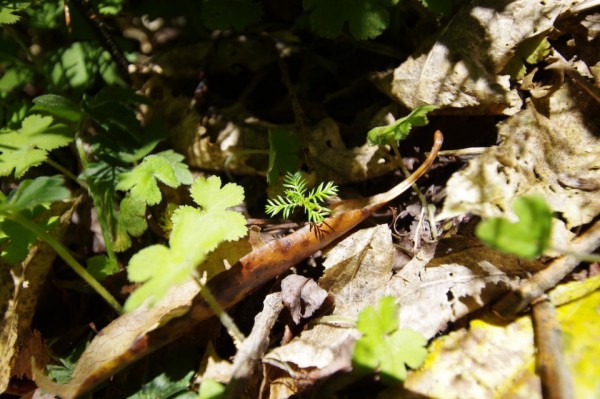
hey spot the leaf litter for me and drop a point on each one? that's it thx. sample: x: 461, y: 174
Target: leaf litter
x: 548, y: 145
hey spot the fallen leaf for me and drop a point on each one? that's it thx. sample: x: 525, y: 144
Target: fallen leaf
x: 550, y: 148
x: 462, y: 68
x: 495, y: 360
x: 302, y: 296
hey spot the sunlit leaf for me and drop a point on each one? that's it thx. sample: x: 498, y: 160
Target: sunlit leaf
x: 528, y: 237
x: 384, y: 348
x: 400, y: 129
x: 29, y: 146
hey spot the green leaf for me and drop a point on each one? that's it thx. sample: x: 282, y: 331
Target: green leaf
x: 9, y: 9
x: 42, y: 190
x: 19, y: 240
x: 195, y: 233
x: 209, y: 194
x: 130, y: 222
x: 29, y: 146
x: 182, y: 171
x: 142, y: 181
x: 528, y: 237
x: 385, y: 348
x: 224, y: 14
x: 211, y: 389
x: 284, y: 146
x: 58, y: 106
x: 400, y: 129
x: 366, y: 19
x: 100, y: 266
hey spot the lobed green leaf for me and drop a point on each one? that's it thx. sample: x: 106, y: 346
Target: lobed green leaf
x: 529, y: 237
x: 400, y: 129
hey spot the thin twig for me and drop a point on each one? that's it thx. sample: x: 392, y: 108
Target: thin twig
x: 254, y: 347
x: 514, y: 302
x: 550, y: 364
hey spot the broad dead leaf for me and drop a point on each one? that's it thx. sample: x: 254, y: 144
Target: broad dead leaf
x: 462, y: 70
x: 495, y: 360
x: 550, y: 148
x: 430, y: 294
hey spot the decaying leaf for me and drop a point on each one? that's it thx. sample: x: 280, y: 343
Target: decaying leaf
x: 495, y: 360
x: 20, y: 286
x: 302, y: 296
x: 462, y: 69
x: 550, y: 148
x: 430, y: 293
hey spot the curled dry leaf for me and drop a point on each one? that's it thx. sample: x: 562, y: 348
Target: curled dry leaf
x: 302, y: 296
x: 463, y: 69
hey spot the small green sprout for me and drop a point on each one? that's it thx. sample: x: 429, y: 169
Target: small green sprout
x: 295, y: 196
x: 384, y: 348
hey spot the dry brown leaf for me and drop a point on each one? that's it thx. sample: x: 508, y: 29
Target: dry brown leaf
x: 550, y: 148
x: 462, y: 70
x: 302, y: 296
x: 430, y: 292
x: 19, y: 292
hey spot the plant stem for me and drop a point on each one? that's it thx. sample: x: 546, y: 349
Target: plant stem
x: 67, y: 173
x: 424, y: 204
x: 68, y: 258
x: 226, y: 320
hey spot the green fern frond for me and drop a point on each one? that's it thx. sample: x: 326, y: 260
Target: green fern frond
x: 295, y: 196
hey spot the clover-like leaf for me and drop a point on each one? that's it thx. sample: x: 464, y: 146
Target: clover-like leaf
x: 196, y: 232
x: 528, y: 237
x: 400, y: 129
x: 385, y: 348
x: 142, y: 181
x: 29, y: 146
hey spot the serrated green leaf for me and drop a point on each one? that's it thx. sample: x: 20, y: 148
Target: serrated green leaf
x: 29, y: 146
x: 400, y: 129
x: 284, y: 147
x: 42, y: 190
x: 9, y: 9
x: 366, y: 19
x: 529, y: 237
x: 142, y: 181
x: 195, y: 233
x: 380, y: 321
x: 209, y: 194
x: 182, y: 171
x: 224, y: 14
x: 130, y: 222
x: 385, y: 348
x: 57, y: 106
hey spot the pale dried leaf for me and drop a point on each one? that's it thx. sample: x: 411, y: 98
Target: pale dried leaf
x: 462, y: 69
x: 550, y: 148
